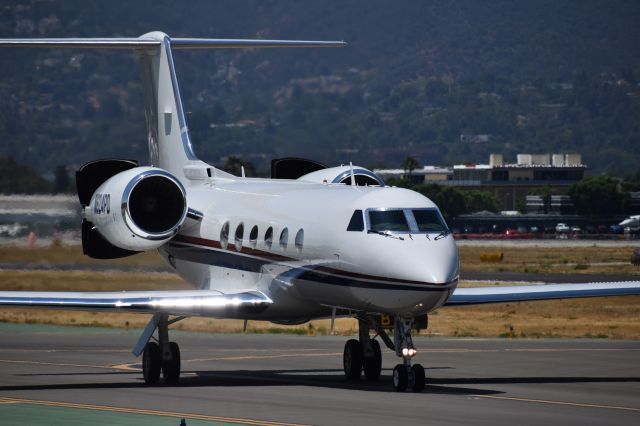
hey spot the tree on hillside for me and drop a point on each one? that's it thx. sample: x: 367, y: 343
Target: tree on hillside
x: 62, y: 182
x: 598, y: 196
x: 20, y: 179
x: 476, y: 201
x: 632, y: 182
x: 450, y: 200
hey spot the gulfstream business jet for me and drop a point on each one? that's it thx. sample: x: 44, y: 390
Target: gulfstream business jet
x: 312, y: 242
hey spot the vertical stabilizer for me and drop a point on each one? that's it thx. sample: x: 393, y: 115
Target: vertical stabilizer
x: 167, y: 134
x: 168, y: 137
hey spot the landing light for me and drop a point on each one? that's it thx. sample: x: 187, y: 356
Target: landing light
x: 409, y: 352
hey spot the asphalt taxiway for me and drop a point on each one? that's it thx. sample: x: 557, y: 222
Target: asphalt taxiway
x: 56, y: 373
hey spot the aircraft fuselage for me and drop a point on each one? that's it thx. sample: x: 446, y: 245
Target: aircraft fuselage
x: 289, y: 239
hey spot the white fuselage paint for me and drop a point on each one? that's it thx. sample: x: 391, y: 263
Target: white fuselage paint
x: 332, y: 267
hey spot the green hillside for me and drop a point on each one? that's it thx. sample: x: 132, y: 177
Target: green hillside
x: 538, y: 76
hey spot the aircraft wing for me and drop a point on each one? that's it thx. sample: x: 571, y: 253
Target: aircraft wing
x: 182, y: 302
x: 499, y: 294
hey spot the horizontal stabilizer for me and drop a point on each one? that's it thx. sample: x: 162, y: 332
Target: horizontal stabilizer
x: 176, y: 43
x: 498, y: 294
x: 183, y: 302
x: 94, y: 43
x: 217, y: 43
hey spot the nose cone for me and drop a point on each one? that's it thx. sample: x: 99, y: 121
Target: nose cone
x: 438, y: 261
x: 427, y: 260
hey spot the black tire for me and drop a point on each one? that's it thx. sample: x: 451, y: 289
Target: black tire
x: 171, y: 369
x: 400, y: 378
x: 151, y: 363
x: 418, y: 378
x: 352, y: 359
x: 373, y: 366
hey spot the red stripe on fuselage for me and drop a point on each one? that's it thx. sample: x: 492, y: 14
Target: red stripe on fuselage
x: 320, y: 269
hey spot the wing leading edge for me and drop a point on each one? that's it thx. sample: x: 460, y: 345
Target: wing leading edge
x: 480, y: 295
x: 184, y: 303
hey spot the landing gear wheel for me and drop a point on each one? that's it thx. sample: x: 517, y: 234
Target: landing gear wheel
x: 151, y: 363
x: 400, y: 378
x: 418, y: 378
x: 171, y: 368
x: 352, y: 359
x: 373, y: 366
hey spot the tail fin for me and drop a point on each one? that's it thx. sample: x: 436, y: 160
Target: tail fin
x: 169, y: 143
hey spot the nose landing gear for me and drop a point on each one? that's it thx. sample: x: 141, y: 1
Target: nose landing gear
x: 365, y: 354
x: 406, y: 375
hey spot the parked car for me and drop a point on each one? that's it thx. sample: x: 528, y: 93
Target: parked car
x: 513, y: 233
x: 615, y: 229
x: 468, y: 229
x: 562, y: 228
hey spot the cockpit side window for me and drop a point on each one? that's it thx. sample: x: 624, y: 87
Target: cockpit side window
x: 356, y: 223
x: 388, y: 220
x: 428, y: 220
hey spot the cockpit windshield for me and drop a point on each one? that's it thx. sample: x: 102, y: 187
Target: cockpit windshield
x: 400, y: 220
x: 428, y: 220
x: 388, y: 220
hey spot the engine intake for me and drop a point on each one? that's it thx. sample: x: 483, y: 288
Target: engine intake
x: 155, y: 205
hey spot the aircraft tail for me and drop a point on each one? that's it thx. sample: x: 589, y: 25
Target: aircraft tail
x: 169, y: 143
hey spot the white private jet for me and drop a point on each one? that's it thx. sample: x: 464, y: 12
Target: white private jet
x: 632, y: 223
x: 321, y: 243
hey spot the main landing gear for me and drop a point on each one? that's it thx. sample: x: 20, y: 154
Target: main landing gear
x: 365, y: 355
x: 161, y: 355
x: 362, y: 355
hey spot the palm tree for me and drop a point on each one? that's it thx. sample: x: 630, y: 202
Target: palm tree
x: 409, y: 165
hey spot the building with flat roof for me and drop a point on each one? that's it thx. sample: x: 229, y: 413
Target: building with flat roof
x: 509, y: 182
x: 426, y: 174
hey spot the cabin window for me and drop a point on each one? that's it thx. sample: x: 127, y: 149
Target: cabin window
x: 428, y: 220
x: 284, y: 238
x: 388, y: 220
x: 239, y: 236
x: 253, y: 236
x: 299, y: 240
x: 356, y: 223
x: 224, y: 235
x: 268, y: 237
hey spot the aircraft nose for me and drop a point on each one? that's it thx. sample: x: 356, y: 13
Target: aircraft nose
x: 434, y: 262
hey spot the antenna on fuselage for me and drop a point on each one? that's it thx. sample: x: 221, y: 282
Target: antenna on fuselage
x: 353, y: 177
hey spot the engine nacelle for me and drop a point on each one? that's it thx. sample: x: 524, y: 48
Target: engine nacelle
x: 342, y: 174
x: 138, y: 209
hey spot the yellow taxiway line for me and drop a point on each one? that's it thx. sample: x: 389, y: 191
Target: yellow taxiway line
x: 546, y: 401
x: 191, y: 416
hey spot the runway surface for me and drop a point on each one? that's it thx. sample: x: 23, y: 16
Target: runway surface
x: 62, y: 373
